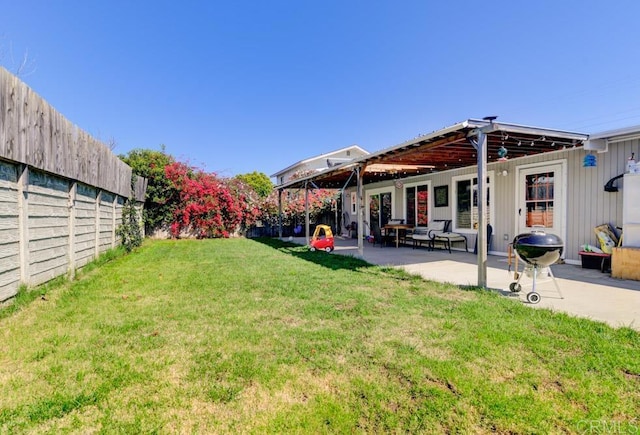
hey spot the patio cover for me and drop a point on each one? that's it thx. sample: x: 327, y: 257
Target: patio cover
x: 468, y: 143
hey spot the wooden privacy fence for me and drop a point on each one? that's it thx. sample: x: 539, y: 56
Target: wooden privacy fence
x: 61, y: 191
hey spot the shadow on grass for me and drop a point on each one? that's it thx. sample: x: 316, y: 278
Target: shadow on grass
x: 330, y: 261
x: 345, y: 262
x: 337, y: 262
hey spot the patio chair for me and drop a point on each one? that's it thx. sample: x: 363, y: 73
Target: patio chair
x: 438, y: 232
x: 447, y: 239
x: 419, y: 235
x: 427, y: 234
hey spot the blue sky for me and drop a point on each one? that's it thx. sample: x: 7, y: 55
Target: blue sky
x: 254, y: 85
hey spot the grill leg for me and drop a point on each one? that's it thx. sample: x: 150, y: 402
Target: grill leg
x: 533, y: 297
x: 553, y: 278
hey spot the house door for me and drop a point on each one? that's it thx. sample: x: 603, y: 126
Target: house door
x: 541, y: 199
x: 379, y: 210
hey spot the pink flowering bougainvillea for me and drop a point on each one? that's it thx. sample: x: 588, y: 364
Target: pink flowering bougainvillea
x: 208, y: 206
x: 320, y: 200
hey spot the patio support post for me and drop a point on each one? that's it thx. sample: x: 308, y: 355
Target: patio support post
x: 480, y: 144
x: 335, y: 213
x: 482, y: 218
x: 306, y: 211
x: 342, y: 198
x: 280, y: 213
x: 360, y: 208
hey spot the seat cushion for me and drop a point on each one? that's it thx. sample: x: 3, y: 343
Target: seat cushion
x: 452, y: 237
x: 420, y: 237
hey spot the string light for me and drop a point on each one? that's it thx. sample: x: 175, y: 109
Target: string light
x: 541, y: 141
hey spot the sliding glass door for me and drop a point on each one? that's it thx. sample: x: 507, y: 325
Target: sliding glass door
x: 417, y: 205
x: 380, y: 207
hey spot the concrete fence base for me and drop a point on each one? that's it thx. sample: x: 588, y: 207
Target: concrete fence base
x: 50, y: 226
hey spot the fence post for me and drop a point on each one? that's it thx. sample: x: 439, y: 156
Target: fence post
x: 113, y: 221
x: 72, y: 225
x: 98, y: 197
x: 23, y: 222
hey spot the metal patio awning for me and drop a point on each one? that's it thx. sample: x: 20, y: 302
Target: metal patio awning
x: 442, y: 150
x: 469, y: 143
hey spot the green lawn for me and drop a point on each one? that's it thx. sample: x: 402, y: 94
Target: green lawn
x: 261, y: 336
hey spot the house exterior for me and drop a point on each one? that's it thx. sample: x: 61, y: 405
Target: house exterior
x: 557, y: 188
x: 570, y: 201
x: 319, y: 163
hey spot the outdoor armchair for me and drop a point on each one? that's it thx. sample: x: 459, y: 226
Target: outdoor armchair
x: 447, y: 238
x: 428, y: 233
x: 437, y: 232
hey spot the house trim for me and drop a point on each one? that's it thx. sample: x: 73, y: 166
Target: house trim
x: 563, y: 203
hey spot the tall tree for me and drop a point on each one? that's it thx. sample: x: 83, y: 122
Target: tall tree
x: 159, y: 205
x: 259, y: 181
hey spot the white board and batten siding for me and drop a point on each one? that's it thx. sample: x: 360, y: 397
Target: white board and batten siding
x: 586, y: 203
x: 9, y: 231
x: 589, y: 205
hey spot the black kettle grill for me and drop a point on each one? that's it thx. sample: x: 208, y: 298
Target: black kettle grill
x: 538, y: 250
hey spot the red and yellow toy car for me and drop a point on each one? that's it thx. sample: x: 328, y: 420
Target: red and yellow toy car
x: 322, y: 239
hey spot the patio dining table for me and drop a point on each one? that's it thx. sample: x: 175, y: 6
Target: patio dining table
x: 397, y: 227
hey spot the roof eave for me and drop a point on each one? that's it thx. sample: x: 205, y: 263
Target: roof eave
x: 620, y: 132
x: 523, y: 129
x: 319, y: 157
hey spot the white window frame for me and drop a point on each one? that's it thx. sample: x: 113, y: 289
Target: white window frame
x: 562, y: 204
x: 429, y: 203
x: 454, y: 200
x: 370, y: 193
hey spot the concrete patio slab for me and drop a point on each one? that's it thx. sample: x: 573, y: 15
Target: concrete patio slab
x: 585, y: 293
